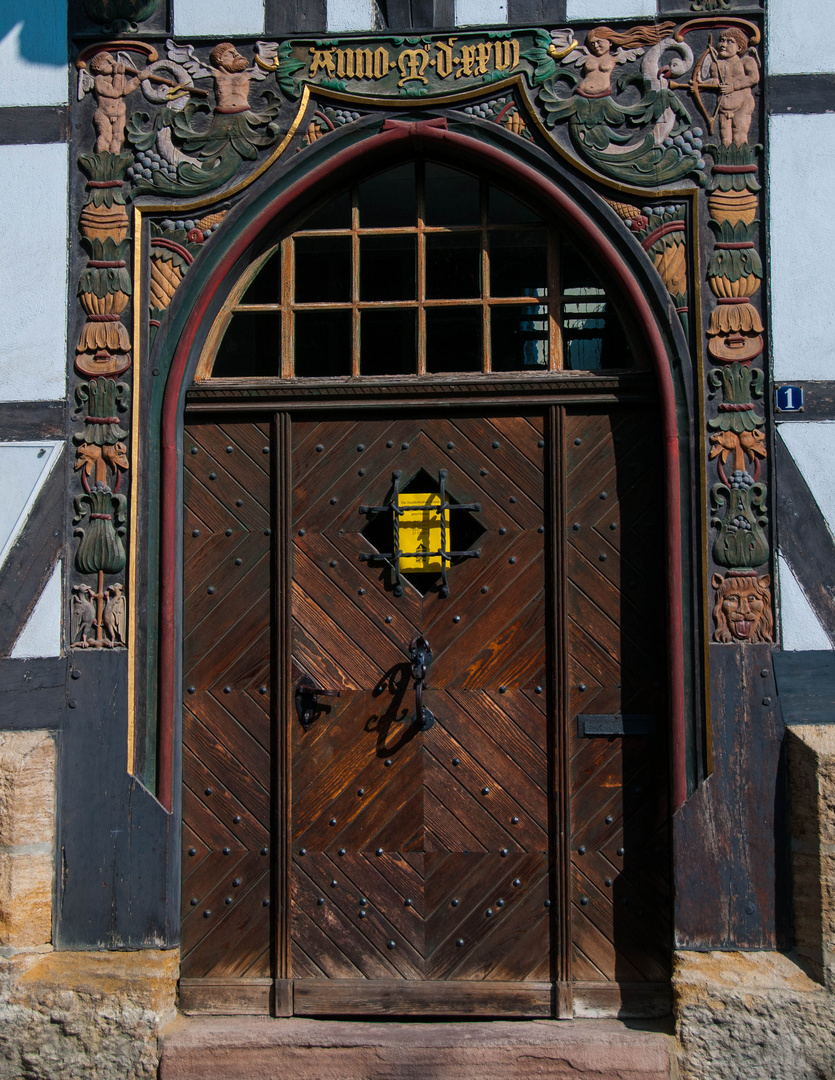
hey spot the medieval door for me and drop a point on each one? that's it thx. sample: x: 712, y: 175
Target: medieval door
x: 424, y: 717
x: 422, y: 861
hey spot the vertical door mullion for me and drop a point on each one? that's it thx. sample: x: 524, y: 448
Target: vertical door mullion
x: 281, y: 711
x: 558, y: 698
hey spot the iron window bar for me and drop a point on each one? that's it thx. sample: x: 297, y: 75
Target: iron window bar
x: 392, y: 558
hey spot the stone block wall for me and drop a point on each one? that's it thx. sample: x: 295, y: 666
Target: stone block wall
x: 73, y: 1015
x: 27, y: 838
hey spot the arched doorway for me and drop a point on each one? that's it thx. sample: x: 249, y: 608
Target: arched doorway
x: 546, y: 632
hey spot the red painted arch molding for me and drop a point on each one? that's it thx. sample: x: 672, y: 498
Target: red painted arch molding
x: 393, y: 133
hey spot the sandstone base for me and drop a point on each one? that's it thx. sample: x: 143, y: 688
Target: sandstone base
x: 84, y: 1015
x: 224, y: 1048
x: 751, y: 1016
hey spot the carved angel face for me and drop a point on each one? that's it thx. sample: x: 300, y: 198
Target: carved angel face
x: 728, y: 45
x: 102, y: 64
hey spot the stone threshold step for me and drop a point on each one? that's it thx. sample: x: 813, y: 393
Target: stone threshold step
x: 260, y: 1048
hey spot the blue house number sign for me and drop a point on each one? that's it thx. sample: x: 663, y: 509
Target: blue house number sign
x: 789, y: 398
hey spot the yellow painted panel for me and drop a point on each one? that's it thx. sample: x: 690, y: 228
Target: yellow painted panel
x: 420, y: 530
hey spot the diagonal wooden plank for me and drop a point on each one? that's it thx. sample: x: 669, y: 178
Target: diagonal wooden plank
x: 522, y: 822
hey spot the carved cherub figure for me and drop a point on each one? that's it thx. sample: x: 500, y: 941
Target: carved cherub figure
x: 112, y: 81
x: 733, y: 71
x: 229, y: 69
x: 598, y: 59
x: 115, y: 611
x: 83, y: 612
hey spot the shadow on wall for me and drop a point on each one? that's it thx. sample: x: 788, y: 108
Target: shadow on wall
x: 41, y: 40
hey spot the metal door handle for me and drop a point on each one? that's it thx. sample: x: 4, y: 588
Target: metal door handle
x: 420, y: 653
x: 306, y: 693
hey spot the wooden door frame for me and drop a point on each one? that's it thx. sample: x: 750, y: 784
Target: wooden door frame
x: 584, y: 215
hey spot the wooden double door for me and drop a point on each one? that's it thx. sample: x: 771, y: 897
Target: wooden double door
x: 424, y: 763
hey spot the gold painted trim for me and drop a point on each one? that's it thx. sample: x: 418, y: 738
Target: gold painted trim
x: 512, y: 82
x: 207, y: 200
x: 697, y: 332
x: 134, y: 486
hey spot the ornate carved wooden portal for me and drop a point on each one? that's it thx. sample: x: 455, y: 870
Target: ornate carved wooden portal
x: 438, y: 819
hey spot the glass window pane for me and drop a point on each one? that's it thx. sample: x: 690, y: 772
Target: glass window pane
x: 453, y: 339
x: 519, y: 337
x: 323, y: 344
x: 593, y: 336
x: 250, y: 346
x: 388, y: 342
x: 389, y: 200
x: 453, y: 266
x: 503, y: 209
x: 323, y: 269
x: 518, y: 263
x: 388, y: 268
x: 452, y: 197
x: 335, y: 214
x: 265, y: 288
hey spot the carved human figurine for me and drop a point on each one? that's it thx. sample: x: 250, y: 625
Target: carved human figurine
x: 734, y: 71
x: 113, y: 81
x: 114, y: 615
x: 232, y: 78
x: 598, y: 60
x: 229, y: 69
x: 743, y: 607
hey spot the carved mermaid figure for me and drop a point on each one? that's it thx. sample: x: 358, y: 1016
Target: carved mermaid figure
x: 599, y: 61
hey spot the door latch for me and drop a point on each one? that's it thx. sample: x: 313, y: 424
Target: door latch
x: 307, y: 706
x: 420, y: 654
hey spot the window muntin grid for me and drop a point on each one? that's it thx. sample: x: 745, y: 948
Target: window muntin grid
x: 452, y: 275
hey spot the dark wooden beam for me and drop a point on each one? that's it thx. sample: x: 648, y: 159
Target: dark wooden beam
x: 800, y: 93
x: 804, y: 538
x: 731, y: 840
x: 118, y: 883
x: 29, y: 564
x: 33, y: 693
x: 535, y: 12
x: 34, y: 124
x: 32, y: 419
x: 818, y: 396
x: 297, y: 17
x: 806, y: 685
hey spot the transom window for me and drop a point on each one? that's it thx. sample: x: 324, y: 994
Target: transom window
x: 419, y: 270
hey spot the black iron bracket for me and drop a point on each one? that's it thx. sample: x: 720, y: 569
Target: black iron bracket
x: 392, y: 559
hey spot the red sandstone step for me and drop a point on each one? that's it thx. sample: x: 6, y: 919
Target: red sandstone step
x: 257, y: 1048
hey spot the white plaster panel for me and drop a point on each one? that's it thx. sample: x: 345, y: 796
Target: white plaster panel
x: 480, y: 12
x: 610, y: 9
x: 802, y: 255
x: 218, y: 18
x: 800, y: 626
x: 33, y: 53
x: 347, y: 16
x: 41, y: 636
x: 24, y: 467
x: 812, y: 445
x: 33, y: 272
x: 798, y: 42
